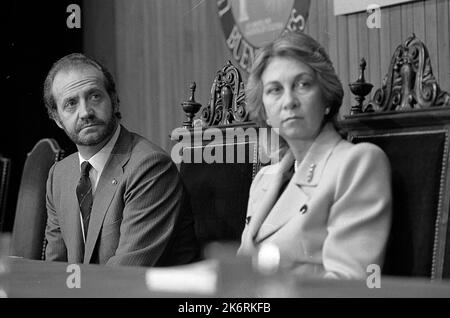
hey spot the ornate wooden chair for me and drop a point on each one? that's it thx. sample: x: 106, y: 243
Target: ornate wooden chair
x: 409, y: 118
x: 5, y: 170
x: 219, y: 158
x: 28, y: 237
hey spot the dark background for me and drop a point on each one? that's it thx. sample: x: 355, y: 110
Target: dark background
x: 36, y: 36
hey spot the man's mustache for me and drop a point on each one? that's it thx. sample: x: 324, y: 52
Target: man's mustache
x: 89, y: 122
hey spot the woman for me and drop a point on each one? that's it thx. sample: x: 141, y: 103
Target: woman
x: 326, y: 205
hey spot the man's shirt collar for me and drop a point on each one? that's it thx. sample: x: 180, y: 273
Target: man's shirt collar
x: 98, y: 161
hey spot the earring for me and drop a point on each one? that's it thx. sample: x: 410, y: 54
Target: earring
x: 327, y: 110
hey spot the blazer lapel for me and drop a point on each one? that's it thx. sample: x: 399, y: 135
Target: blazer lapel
x: 106, y: 188
x: 289, y: 204
x: 294, y: 199
x: 274, y: 179
x: 310, y: 169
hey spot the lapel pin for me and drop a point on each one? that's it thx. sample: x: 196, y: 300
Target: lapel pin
x: 303, y: 209
x: 114, y: 181
x: 247, y: 219
x: 311, y: 172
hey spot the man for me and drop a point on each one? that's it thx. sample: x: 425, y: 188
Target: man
x: 118, y: 200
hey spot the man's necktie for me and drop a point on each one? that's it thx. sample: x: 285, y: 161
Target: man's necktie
x: 84, y: 195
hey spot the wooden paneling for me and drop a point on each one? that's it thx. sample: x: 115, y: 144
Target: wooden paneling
x: 342, y: 62
x: 353, y: 54
x: 395, y: 29
x: 157, y: 47
x: 443, y: 38
x: 428, y: 19
x: 431, y: 33
x: 332, y: 30
x: 407, y: 20
x: 384, y: 50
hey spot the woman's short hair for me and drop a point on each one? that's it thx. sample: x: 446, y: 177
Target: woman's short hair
x: 71, y: 61
x: 303, y: 48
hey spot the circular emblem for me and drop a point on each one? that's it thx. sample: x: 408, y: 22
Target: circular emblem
x: 250, y: 24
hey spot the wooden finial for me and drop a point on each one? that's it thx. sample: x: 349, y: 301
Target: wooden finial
x: 190, y: 107
x: 360, y: 88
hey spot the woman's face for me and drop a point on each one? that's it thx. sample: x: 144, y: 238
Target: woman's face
x: 292, y: 99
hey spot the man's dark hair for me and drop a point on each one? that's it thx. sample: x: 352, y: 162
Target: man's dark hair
x: 72, y: 61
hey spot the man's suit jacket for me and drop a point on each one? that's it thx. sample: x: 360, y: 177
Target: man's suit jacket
x: 135, y: 210
x: 333, y: 217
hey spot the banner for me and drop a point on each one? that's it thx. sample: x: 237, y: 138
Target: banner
x: 250, y: 24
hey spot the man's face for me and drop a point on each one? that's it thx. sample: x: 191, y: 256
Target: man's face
x: 84, y: 108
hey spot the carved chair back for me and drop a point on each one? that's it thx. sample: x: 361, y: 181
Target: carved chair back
x: 409, y: 118
x: 219, y: 158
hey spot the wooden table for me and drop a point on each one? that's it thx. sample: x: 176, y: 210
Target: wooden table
x: 30, y: 278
